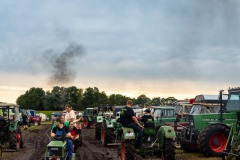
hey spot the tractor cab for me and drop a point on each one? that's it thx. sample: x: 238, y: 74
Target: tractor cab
x: 10, y: 132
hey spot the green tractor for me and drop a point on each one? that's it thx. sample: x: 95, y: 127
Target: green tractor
x: 108, y: 131
x: 57, y: 150
x: 11, y: 138
x: 89, y: 116
x: 104, y: 112
x: 156, y: 141
x: 207, y: 132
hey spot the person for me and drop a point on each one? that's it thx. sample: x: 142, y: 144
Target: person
x: 62, y: 131
x: 147, y: 119
x: 62, y: 118
x: 25, y: 123
x: 128, y: 119
x: 74, y: 135
x: 70, y: 115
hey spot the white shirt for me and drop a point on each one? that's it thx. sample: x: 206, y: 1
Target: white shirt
x: 70, y: 115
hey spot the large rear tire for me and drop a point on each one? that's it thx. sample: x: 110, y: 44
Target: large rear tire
x: 126, y: 151
x: 86, y: 123
x: 98, y: 131
x: 15, y: 139
x: 168, y: 150
x: 106, y: 135
x: 212, y: 140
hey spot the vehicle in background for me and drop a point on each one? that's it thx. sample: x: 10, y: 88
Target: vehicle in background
x: 54, y: 116
x: 43, y: 117
x: 33, y: 117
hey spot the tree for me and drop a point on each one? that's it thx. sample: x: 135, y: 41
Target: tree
x: 142, y: 100
x: 156, y: 101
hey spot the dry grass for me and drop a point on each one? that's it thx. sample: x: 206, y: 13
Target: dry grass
x: 181, y: 155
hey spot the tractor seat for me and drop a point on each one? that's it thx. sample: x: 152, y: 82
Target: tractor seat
x: 2, y: 122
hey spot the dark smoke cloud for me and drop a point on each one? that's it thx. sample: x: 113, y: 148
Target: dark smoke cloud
x: 62, y: 65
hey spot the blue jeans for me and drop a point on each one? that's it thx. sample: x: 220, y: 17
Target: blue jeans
x: 69, y: 147
x: 139, y: 132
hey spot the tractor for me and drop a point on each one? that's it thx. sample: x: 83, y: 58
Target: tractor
x: 11, y: 138
x: 209, y: 124
x: 57, y: 149
x: 104, y: 112
x: 108, y: 137
x: 89, y: 116
x: 33, y: 118
x: 158, y: 140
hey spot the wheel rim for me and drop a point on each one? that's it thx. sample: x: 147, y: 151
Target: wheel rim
x: 85, y: 122
x: 122, y: 150
x: 103, y: 136
x: 217, y: 142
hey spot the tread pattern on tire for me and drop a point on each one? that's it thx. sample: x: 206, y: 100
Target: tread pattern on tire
x: 169, y: 149
x: 98, y: 131
x: 204, y: 136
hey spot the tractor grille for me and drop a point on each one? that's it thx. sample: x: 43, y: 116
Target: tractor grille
x: 57, y: 151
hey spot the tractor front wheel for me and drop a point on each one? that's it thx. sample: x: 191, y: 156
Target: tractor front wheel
x: 168, y: 150
x: 212, y: 140
x: 86, y: 123
x: 98, y: 131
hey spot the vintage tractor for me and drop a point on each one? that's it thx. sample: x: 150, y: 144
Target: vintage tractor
x: 158, y: 142
x: 209, y: 126
x: 108, y: 137
x: 57, y: 149
x: 10, y: 133
x: 89, y: 116
x: 33, y: 118
x: 104, y: 112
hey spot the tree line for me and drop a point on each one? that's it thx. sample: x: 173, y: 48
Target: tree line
x: 38, y: 99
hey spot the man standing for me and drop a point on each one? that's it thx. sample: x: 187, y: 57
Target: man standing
x: 128, y: 119
x: 70, y: 115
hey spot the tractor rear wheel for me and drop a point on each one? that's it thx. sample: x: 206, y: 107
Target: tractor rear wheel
x: 212, y: 140
x: 126, y: 151
x: 168, y: 150
x: 98, y: 131
x: 15, y: 139
x: 106, y: 135
x: 86, y: 123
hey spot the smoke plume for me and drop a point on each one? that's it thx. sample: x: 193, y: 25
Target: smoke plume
x: 62, y: 65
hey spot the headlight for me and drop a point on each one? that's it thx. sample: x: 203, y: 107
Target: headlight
x: 191, y: 124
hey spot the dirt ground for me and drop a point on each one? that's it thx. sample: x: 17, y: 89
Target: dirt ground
x: 35, y: 141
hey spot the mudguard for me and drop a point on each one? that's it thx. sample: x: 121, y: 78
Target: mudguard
x: 165, y: 132
x: 99, y: 119
x: 128, y: 133
x: 110, y: 122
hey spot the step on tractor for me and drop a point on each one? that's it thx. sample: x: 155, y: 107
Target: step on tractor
x: 89, y: 117
x: 108, y: 131
x: 11, y: 138
x: 158, y: 141
x: 104, y: 113
x: 209, y: 124
x: 57, y: 150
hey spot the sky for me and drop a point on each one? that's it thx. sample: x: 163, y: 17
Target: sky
x: 159, y: 48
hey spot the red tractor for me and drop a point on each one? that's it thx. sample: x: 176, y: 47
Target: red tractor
x: 33, y: 118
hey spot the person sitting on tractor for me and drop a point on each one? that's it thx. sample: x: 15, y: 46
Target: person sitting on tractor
x: 74, y: 135
x: 147, y: 119
x: 62, y: 131
x: 128, y: 119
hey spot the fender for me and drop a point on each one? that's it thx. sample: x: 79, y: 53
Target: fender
x: 165, y: 132
x: 128, y: 133
x: 99, y: 119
